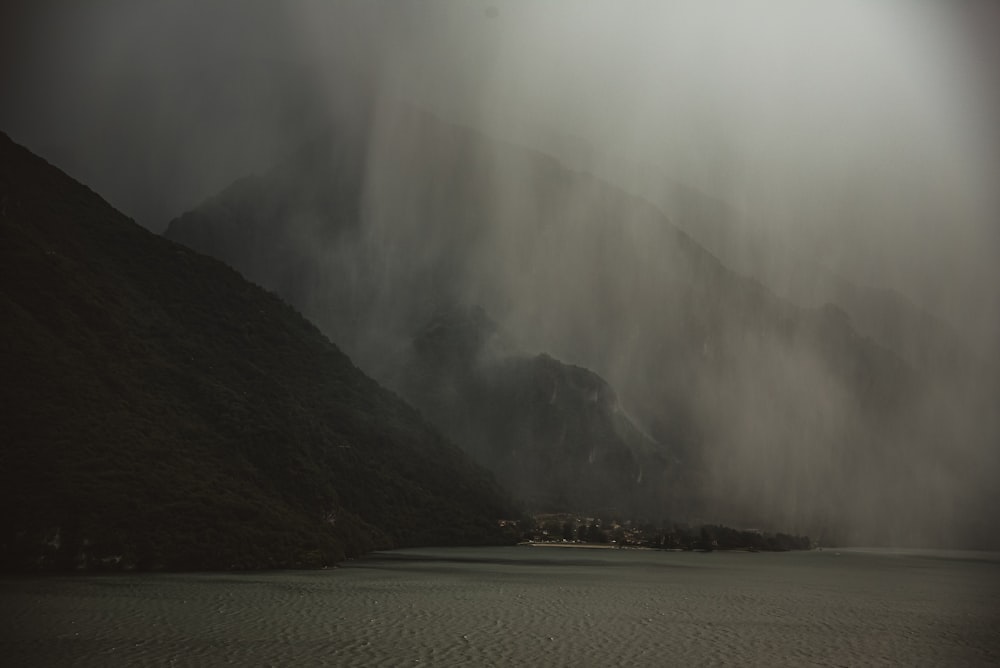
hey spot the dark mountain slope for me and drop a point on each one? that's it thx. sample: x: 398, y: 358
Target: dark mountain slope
x: 554, y: 434
x: 161, y: 412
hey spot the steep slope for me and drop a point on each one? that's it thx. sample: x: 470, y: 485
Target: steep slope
x: 162, y: 412
x: 781, y: 414
x: 555, y: 435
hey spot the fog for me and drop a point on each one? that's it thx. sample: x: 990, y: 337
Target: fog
x: 819, y: 142
x: 854, y: 136
x: 861, y: 137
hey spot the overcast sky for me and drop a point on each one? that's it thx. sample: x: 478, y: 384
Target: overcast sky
x: 863, y: 134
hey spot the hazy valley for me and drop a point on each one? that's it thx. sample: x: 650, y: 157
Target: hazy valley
x: 667, y: 263
x: 740, y: 405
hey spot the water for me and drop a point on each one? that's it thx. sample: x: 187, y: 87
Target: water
x: 523, y: 605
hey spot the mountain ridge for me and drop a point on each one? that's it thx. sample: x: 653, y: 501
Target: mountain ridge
x: 923, y: 339
x: 164, y: 413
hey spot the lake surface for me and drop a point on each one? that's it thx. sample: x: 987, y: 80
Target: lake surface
x: 524, y: 606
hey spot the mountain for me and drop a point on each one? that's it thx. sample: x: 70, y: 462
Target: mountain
x: 555, y: 434
x: 780, y: 415
x: 925, y: 341
x: 160, y: 412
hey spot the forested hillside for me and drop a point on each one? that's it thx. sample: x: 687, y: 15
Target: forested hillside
x: 161, y: 412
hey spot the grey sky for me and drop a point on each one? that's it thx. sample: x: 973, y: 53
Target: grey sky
x: 860, y: 134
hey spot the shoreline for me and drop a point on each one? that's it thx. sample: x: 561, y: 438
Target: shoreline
x: 585, y: 546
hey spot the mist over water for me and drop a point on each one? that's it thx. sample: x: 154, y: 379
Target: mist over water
x: 803, y: 144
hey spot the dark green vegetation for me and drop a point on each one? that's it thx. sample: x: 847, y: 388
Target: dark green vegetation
x: 665, y: 536
x: 161, y: 412
x: 715, y: 537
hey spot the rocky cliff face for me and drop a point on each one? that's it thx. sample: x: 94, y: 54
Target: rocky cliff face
x: 555, y: 434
